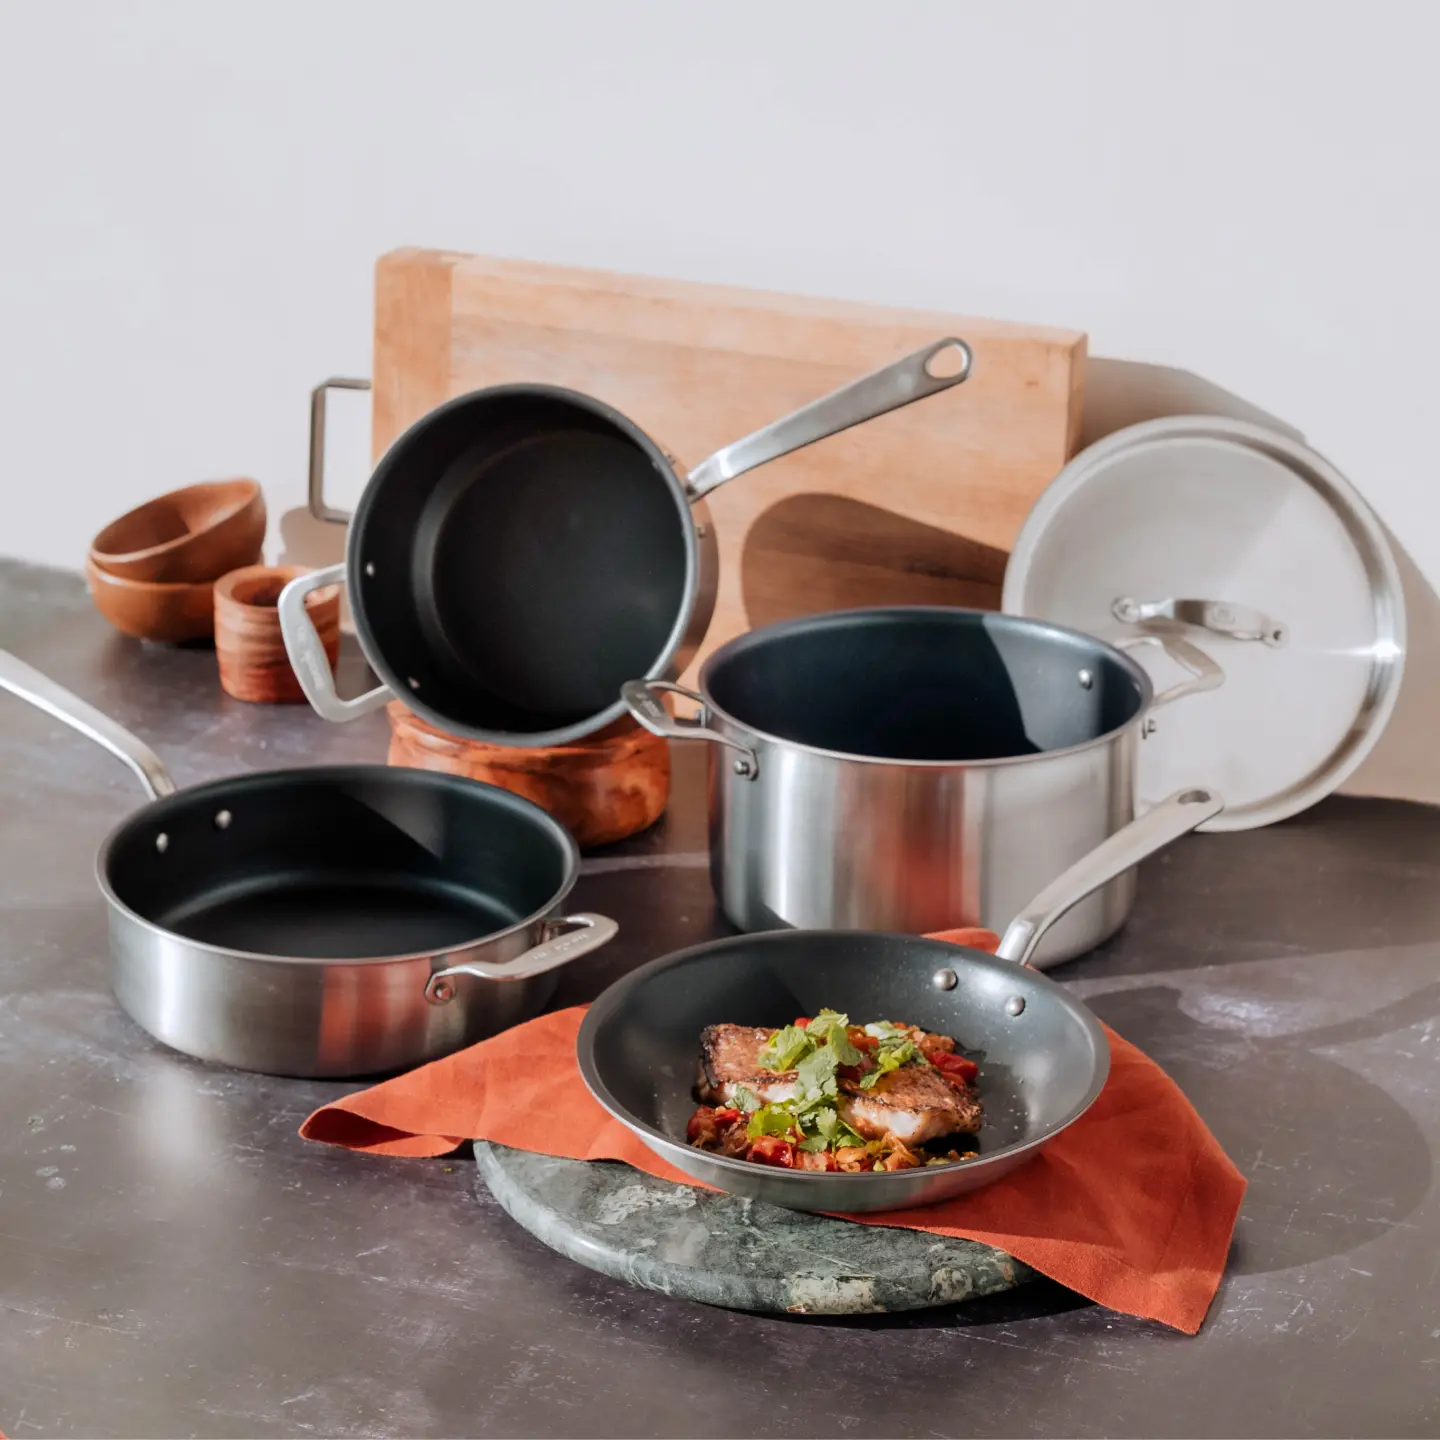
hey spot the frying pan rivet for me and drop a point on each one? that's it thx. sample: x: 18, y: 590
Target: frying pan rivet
x: 442, y: 990
x: 1015, y: 1005
x: 1087, y: 679
x: 742, y: 768
x: 945, y: 979
x: 369, y: 569
x: 702, y: 532
x: 412, y: 682
x: 162, y: 842
x: 222, y: 819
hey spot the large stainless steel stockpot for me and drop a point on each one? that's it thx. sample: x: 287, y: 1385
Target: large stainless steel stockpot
x: 327, y: 921
x: 918, y: 768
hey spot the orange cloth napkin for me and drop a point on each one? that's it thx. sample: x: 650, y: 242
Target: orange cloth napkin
x: 1133, y: 1206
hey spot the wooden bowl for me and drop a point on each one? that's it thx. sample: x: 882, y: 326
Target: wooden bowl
x: 169, y: 613
x: 602, y: 789
x: 186, y: 537
x: 248, y: 645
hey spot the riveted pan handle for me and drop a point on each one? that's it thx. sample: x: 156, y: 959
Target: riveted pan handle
x: 647, y: 707
x: 568, y: 939
x: 1169, y: 820
x: 927, y: 372
x: 307, y: 651
x: 29, y: 684
x: 318, y: 508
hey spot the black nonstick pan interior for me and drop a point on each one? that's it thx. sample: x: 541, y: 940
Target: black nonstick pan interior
x: 526, y: 573
x: 338, y: 862
x: 1043, y: 1057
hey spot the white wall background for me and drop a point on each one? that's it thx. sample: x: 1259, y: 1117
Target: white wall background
x: 194, y: 195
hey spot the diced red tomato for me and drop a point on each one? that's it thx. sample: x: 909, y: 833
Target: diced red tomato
x: 860, y: 1040
x: 956, y: 1067
x: 772, y: 1150
x: 727, y: 1116
x: 803, y: 1022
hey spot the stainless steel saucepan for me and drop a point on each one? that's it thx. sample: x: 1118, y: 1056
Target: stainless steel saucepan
x: 523, y: 550
x: 1042, y: 1056
x: 917, y: 768
x: 328, y: 921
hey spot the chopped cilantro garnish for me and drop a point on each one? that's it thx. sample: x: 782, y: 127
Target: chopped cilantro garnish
x: 747, y: 1100
x: 890, y: 1055
x: 785, y: 1048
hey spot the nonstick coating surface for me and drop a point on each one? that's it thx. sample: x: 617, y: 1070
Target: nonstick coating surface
x: 1040, y: 1069
x: 518, y: 555
x: 925, y: 683
x: 339, y: 862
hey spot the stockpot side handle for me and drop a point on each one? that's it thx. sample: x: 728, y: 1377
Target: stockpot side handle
x: 29, y: 684
x: 645, y: 704
x: 1183, y: 812
x: 307, y: 651
x: 316, y: 495
x: 1205, y: 674
x: 566, y: 939
x: 901, y: 383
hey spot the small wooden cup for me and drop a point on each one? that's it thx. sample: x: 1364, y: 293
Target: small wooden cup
x: 248, y: 643
x: 601, y: 789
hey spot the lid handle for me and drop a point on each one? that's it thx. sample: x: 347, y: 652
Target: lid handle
x: 1220, y: 617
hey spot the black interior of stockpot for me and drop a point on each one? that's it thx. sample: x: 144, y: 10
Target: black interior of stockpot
x: 925, y: 684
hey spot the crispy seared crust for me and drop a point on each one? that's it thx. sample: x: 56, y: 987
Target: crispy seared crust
x: 915, y: 1103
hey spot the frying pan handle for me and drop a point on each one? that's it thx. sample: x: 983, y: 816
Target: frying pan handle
x: 1205, y: 674
x: 1169, y: 820
x: 29, y: 684
x: 318, y: 508
x: 567, y: 939
x: 886, y: 389
x: 647, y: 707
x: 307, y: 651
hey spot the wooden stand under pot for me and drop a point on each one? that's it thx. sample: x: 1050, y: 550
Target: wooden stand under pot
x: 603, y: 789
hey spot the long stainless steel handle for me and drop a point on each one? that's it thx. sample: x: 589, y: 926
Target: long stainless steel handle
x: 318, y: 508
x: 307, y: 651
x: 577, y: 935
x: 1169, y: 820
x: 647, y: 707
x: 1205, y: 674
x: 29, y: 684
x: 886, y: 389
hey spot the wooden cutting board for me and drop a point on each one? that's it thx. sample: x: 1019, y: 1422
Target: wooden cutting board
x: 920, y: 506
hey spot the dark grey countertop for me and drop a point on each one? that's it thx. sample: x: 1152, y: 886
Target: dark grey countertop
x: 175, y: 1261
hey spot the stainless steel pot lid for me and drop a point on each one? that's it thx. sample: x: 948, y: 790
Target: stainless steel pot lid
x: 1258, y: 551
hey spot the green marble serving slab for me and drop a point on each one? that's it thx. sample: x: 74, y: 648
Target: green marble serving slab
x: 719, y: 1249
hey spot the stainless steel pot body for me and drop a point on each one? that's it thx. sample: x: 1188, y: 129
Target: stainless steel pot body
x: 522, y: 550
x: 324, y: 1019
x: 832, y: 805
x: 330, y: 920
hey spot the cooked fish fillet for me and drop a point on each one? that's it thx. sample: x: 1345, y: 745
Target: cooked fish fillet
x: 915, y: 1103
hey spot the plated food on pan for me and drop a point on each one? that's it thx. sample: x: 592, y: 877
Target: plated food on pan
x: 823, y: 1094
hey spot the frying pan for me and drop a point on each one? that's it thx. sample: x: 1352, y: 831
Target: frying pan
x: 327, y: 921
x: 522, y: 551
x: 1042, y: 1055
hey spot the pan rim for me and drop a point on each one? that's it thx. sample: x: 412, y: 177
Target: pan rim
x: 334, y: 773
x: 740, y: 642
x: 609, y: 1000
x: 659, y: 666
